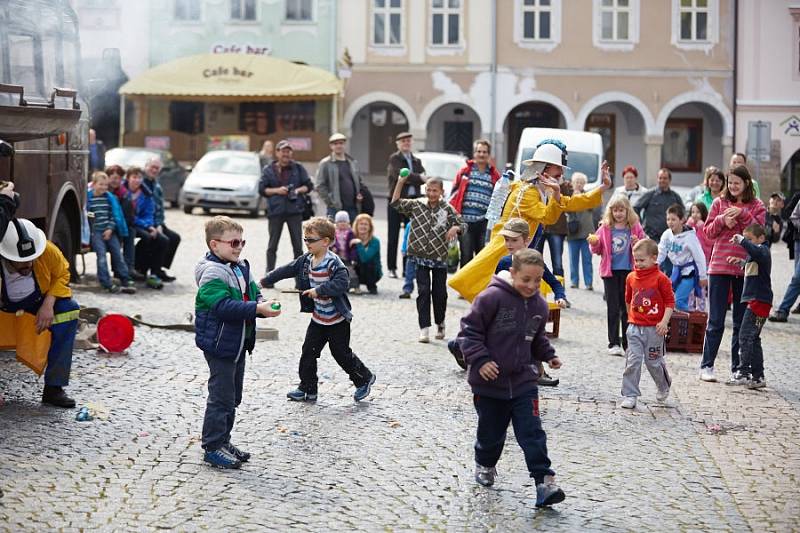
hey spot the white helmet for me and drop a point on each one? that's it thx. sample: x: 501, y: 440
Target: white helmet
x: 23, y: 241
x: 549, y: 153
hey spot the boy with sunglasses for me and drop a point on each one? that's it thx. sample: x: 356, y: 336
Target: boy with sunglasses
x: 227, y: 304
x: 323, y: 281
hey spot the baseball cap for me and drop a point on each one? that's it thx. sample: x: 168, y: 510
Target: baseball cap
x: 336, y: 137
x: 403, y: 135
x: 515, y: 227
x: 284, y: 144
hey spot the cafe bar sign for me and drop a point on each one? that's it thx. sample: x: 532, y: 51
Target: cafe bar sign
x: 252, y: 49
x: 227, y: 73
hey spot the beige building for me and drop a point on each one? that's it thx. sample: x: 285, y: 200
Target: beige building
x: 655, y: 78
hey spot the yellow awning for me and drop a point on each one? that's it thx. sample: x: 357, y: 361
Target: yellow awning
x: 233, y: 77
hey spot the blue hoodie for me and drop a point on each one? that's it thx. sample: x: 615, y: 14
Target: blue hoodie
x: 116, y: 212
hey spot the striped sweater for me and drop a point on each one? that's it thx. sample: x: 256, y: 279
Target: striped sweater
x: 325, y: 312
x: 721, y: 234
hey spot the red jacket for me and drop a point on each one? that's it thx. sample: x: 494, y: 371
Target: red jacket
x: 648, y: 292
x: 461, y: 182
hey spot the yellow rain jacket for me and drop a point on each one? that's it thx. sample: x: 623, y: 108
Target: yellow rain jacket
x: 525, y: 202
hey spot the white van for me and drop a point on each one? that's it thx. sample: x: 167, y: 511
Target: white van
x: 584, y: 151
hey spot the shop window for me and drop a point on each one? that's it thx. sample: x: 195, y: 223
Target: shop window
x: 187, y: 10
x: 187, y: 117
x: 294, y: 116
x: 243, y: 10
x: 387, y: 22
x: 299, y: 10
x: 257, y: 117
x: 445, y: 22
x: 683, y: 144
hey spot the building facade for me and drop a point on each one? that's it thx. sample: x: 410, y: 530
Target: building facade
x: 655, y: 79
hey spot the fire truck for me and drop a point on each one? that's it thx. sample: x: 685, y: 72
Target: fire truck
x: 44, y: 120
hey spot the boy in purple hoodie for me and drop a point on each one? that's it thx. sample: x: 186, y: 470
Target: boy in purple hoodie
x: 502, y: 336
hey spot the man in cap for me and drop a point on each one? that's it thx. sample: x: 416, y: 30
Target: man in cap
x: 402, y: 158
x: 34, y: 277
x: 152, y: 169
x: 284, y: 182
x: 337, y: 181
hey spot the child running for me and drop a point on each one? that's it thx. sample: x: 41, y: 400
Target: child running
x: 502, y: 335
x: 650, y: 302
x: 679, y: 244
x: 323, y: 280
x: 619, y: 230
x: 757, y: 294
x: 227, y: 304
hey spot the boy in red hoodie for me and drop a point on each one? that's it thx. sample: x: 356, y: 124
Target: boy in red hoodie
x: 650, y: 302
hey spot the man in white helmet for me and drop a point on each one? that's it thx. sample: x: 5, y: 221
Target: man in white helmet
x: 34, y: 278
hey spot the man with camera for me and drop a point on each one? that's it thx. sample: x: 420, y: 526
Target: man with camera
x: 283, y: 183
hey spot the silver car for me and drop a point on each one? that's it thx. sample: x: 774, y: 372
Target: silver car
x: 224, y: 179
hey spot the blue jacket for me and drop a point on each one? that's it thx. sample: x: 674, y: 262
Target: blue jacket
x: 335, y: 288
x: 757, y: 270
x: 158, y: 200
x: 144, y: 215
x: 116, y: 212
x: 278, y: 205
x: 224, y: 321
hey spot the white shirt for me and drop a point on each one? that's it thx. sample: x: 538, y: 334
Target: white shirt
x: 18, y: 287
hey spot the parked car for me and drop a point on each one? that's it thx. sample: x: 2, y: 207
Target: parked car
x: 172, y: 173
x: 442, y: 165
x: 224, y: 179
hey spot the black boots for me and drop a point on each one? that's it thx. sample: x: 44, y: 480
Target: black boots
x: 56, y: 396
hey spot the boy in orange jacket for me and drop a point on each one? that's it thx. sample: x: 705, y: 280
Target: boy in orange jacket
x: 650, y: 302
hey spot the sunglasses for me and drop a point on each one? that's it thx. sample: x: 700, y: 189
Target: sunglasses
x: 234, y: 243
x: 309, y: 240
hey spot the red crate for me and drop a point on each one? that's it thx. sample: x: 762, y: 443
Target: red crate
x: 687, y: 332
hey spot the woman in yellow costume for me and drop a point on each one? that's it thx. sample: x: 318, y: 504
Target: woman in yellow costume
x: 528, y: 199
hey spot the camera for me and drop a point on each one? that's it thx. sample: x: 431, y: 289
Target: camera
x: 292, y: 192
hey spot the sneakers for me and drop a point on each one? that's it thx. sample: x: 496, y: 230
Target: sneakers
x: 573, y: 285
x: 299, y: 395
x: 439, y: 332
x: 393, y: 274
x: 236, y: 453
x: 57, y: 397
x: 222, y: 459
x: 616, y: 350
x: 163, y: 276
x: 548, y: 493
x: 757, y: 383
x: 356, y: 291
x: 737, y: 378
x: 128, y: 287
x: 628, y: 403
x: 137, y: 276
x: 778, y: 316
x: 113, y: 289
x: 707, y: 374
x: 373, y: 290
x: 154, y: 282
x: 484, y: 475
x: 589, y: 287
x: 455, y: 349
x: 424, y: 336
x: 546, y: 381
x: 364, y: 390
x: 405, y: 296
x: 662, y: 395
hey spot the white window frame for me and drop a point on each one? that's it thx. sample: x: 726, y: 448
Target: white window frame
x: 616, y: 45
x: 312, y: 20
x: 540, y: 45
x: 712, y: 30
x: 445, y: 12
x: 198, y: 20
x: 386, y: 11
x: 243, y: 20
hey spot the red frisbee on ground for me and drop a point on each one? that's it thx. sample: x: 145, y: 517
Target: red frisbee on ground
x: 115, y: 332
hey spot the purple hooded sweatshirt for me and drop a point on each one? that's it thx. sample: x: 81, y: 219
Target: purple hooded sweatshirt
x: 504, y: 327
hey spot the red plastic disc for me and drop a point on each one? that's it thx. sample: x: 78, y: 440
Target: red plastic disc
x: 115, y: 332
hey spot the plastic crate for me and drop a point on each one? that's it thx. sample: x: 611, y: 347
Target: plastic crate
x: 687, y: 331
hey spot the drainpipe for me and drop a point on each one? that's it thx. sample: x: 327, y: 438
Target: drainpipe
x: 493, y: 70
x: 735, y: 66
x: 334, y: 38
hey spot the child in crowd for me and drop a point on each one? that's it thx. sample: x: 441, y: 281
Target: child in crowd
x: 117, y: 188
x: 108, y: 227
x: 579, y: 226
x: 409, y: 267
x: 507, y: 319
x: 757, y: 293
x: 368, y: 253
x: 434, y: 223
x: 323, y: 280
x: 619, y: 230
x: 226, y: 306
x: 697, y: 221
x: 152, y: 247
x: 342, y: 246
x: 679, y: 244
x: 650, y: 302
x: 774, y: 220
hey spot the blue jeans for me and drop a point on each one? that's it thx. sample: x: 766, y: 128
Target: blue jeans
x: 112, y: 246
x: 684, y: 289
x: 410, y: 275
x: 793, y: 290
x: 556, y: 245
x: 752, y: 356
x: 719, y: 286
x: 579, y: 252
x: 225, y: 385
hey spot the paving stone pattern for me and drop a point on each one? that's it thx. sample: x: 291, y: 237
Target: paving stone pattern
x: 711, y: 459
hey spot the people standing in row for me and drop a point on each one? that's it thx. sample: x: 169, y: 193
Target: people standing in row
x: 283, y: 182
x: 412, y: 188
x: 338, y: 182
x: 653, y: 204
x: 631, y: 187
x: 470, y: 196
x: 152, y: 170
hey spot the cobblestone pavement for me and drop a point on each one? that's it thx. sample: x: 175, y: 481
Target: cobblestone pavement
x: 711, y: 459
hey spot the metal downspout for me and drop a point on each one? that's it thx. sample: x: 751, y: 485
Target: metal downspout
x: 735, y: 67
x: 493, y: 70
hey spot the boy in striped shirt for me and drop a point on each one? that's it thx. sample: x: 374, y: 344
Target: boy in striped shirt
x: 323, y: 279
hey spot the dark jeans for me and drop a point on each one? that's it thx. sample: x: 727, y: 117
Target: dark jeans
x: 719, y: 285
x: 367, y: 274
x: 337, y: 337
x: 394, y: 220
x: 172, y: 247
x: 556, y: 245
x: 150, y: 252
x: 225, y: 383
x: 523, y: 412
x: 472, y: 240
x: 616, y: 312
x: 431, y: 282
x: 275, y: 228
x: 750, y: 352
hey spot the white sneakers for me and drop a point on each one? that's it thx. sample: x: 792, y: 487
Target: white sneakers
x: 616, y: 350
x: 707, y: 374
x: 629, y: 402
x: 424, y: 337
